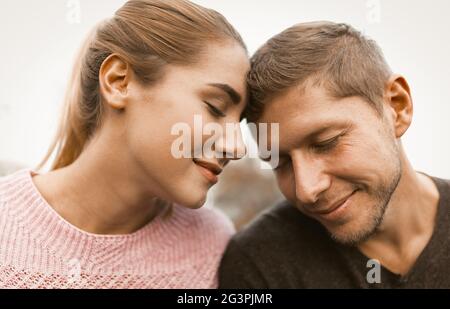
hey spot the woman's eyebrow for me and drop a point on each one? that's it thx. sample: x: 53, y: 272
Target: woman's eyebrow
x: 233, y: 94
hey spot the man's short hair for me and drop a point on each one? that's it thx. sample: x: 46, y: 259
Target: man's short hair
x: 333, y: 55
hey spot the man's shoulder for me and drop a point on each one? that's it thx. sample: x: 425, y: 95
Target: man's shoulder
x: 277, y: 250
x: 442, y: 184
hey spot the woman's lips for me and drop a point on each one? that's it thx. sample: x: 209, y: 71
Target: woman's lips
x: 209, y: 170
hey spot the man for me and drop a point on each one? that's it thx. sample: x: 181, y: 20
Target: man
x: 357, y: 214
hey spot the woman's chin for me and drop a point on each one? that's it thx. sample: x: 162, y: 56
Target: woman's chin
x: 195, y: 205
x: 193, y: 201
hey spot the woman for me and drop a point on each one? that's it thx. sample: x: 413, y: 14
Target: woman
x: 117, y: 209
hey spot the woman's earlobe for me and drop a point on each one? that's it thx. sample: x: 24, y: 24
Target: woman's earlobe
x: 399, y: 98
x: 113, y: 80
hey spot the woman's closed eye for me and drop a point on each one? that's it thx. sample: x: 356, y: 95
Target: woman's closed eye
x: 216, y: 112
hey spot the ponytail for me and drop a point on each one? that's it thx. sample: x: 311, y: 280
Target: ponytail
x: 70, y: 138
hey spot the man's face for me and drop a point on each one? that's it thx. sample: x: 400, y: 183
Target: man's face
x: 339, y: 160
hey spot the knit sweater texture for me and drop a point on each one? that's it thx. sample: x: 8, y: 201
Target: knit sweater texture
x: 39, y: 249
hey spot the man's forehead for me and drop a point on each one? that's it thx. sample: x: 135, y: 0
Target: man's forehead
x: 308, y: 116
x: 296, y: 102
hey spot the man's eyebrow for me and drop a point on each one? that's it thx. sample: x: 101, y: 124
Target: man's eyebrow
x: 315, y: 133
x: 233, y: 94
x: 345, y: 127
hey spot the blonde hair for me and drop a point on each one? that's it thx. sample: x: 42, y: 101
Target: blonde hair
x: 147, y: 34
x: 333, y: 55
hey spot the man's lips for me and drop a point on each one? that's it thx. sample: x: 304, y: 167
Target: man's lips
x: 209, y: 170
x: 336, y: 205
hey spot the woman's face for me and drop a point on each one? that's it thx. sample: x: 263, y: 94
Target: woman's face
x: 211, y: 91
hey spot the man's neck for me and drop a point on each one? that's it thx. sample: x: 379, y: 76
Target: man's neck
x: 408, y: 223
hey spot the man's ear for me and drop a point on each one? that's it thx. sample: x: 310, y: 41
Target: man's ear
x: 399, y: 103
x: 114, y: 77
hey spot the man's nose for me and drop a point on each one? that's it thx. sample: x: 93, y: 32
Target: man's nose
x: 310, y: 178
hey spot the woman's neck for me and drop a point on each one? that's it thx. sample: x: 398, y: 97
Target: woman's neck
x: 101, y: 192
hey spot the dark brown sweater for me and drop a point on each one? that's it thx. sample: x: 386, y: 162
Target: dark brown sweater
x: 285, y: 249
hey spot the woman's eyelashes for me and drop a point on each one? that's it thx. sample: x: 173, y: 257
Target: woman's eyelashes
x: 216, y: 112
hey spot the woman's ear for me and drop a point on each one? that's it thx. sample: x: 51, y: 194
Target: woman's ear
x: 399, y: 103
x: 114, y: 78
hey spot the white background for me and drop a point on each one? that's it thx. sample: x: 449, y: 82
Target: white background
x: 40, y: 38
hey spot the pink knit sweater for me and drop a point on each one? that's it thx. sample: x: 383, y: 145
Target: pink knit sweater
x: 39, y: 249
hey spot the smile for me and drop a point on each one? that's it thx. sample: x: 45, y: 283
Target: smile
x: 209, y: 170
x: 337, y: 210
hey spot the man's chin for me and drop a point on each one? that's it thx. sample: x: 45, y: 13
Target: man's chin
x: 353, y: 235
x: 352, y: 239
x: 358, y: 227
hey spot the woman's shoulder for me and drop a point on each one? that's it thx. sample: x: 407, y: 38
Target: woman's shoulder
x: 10, y: 184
